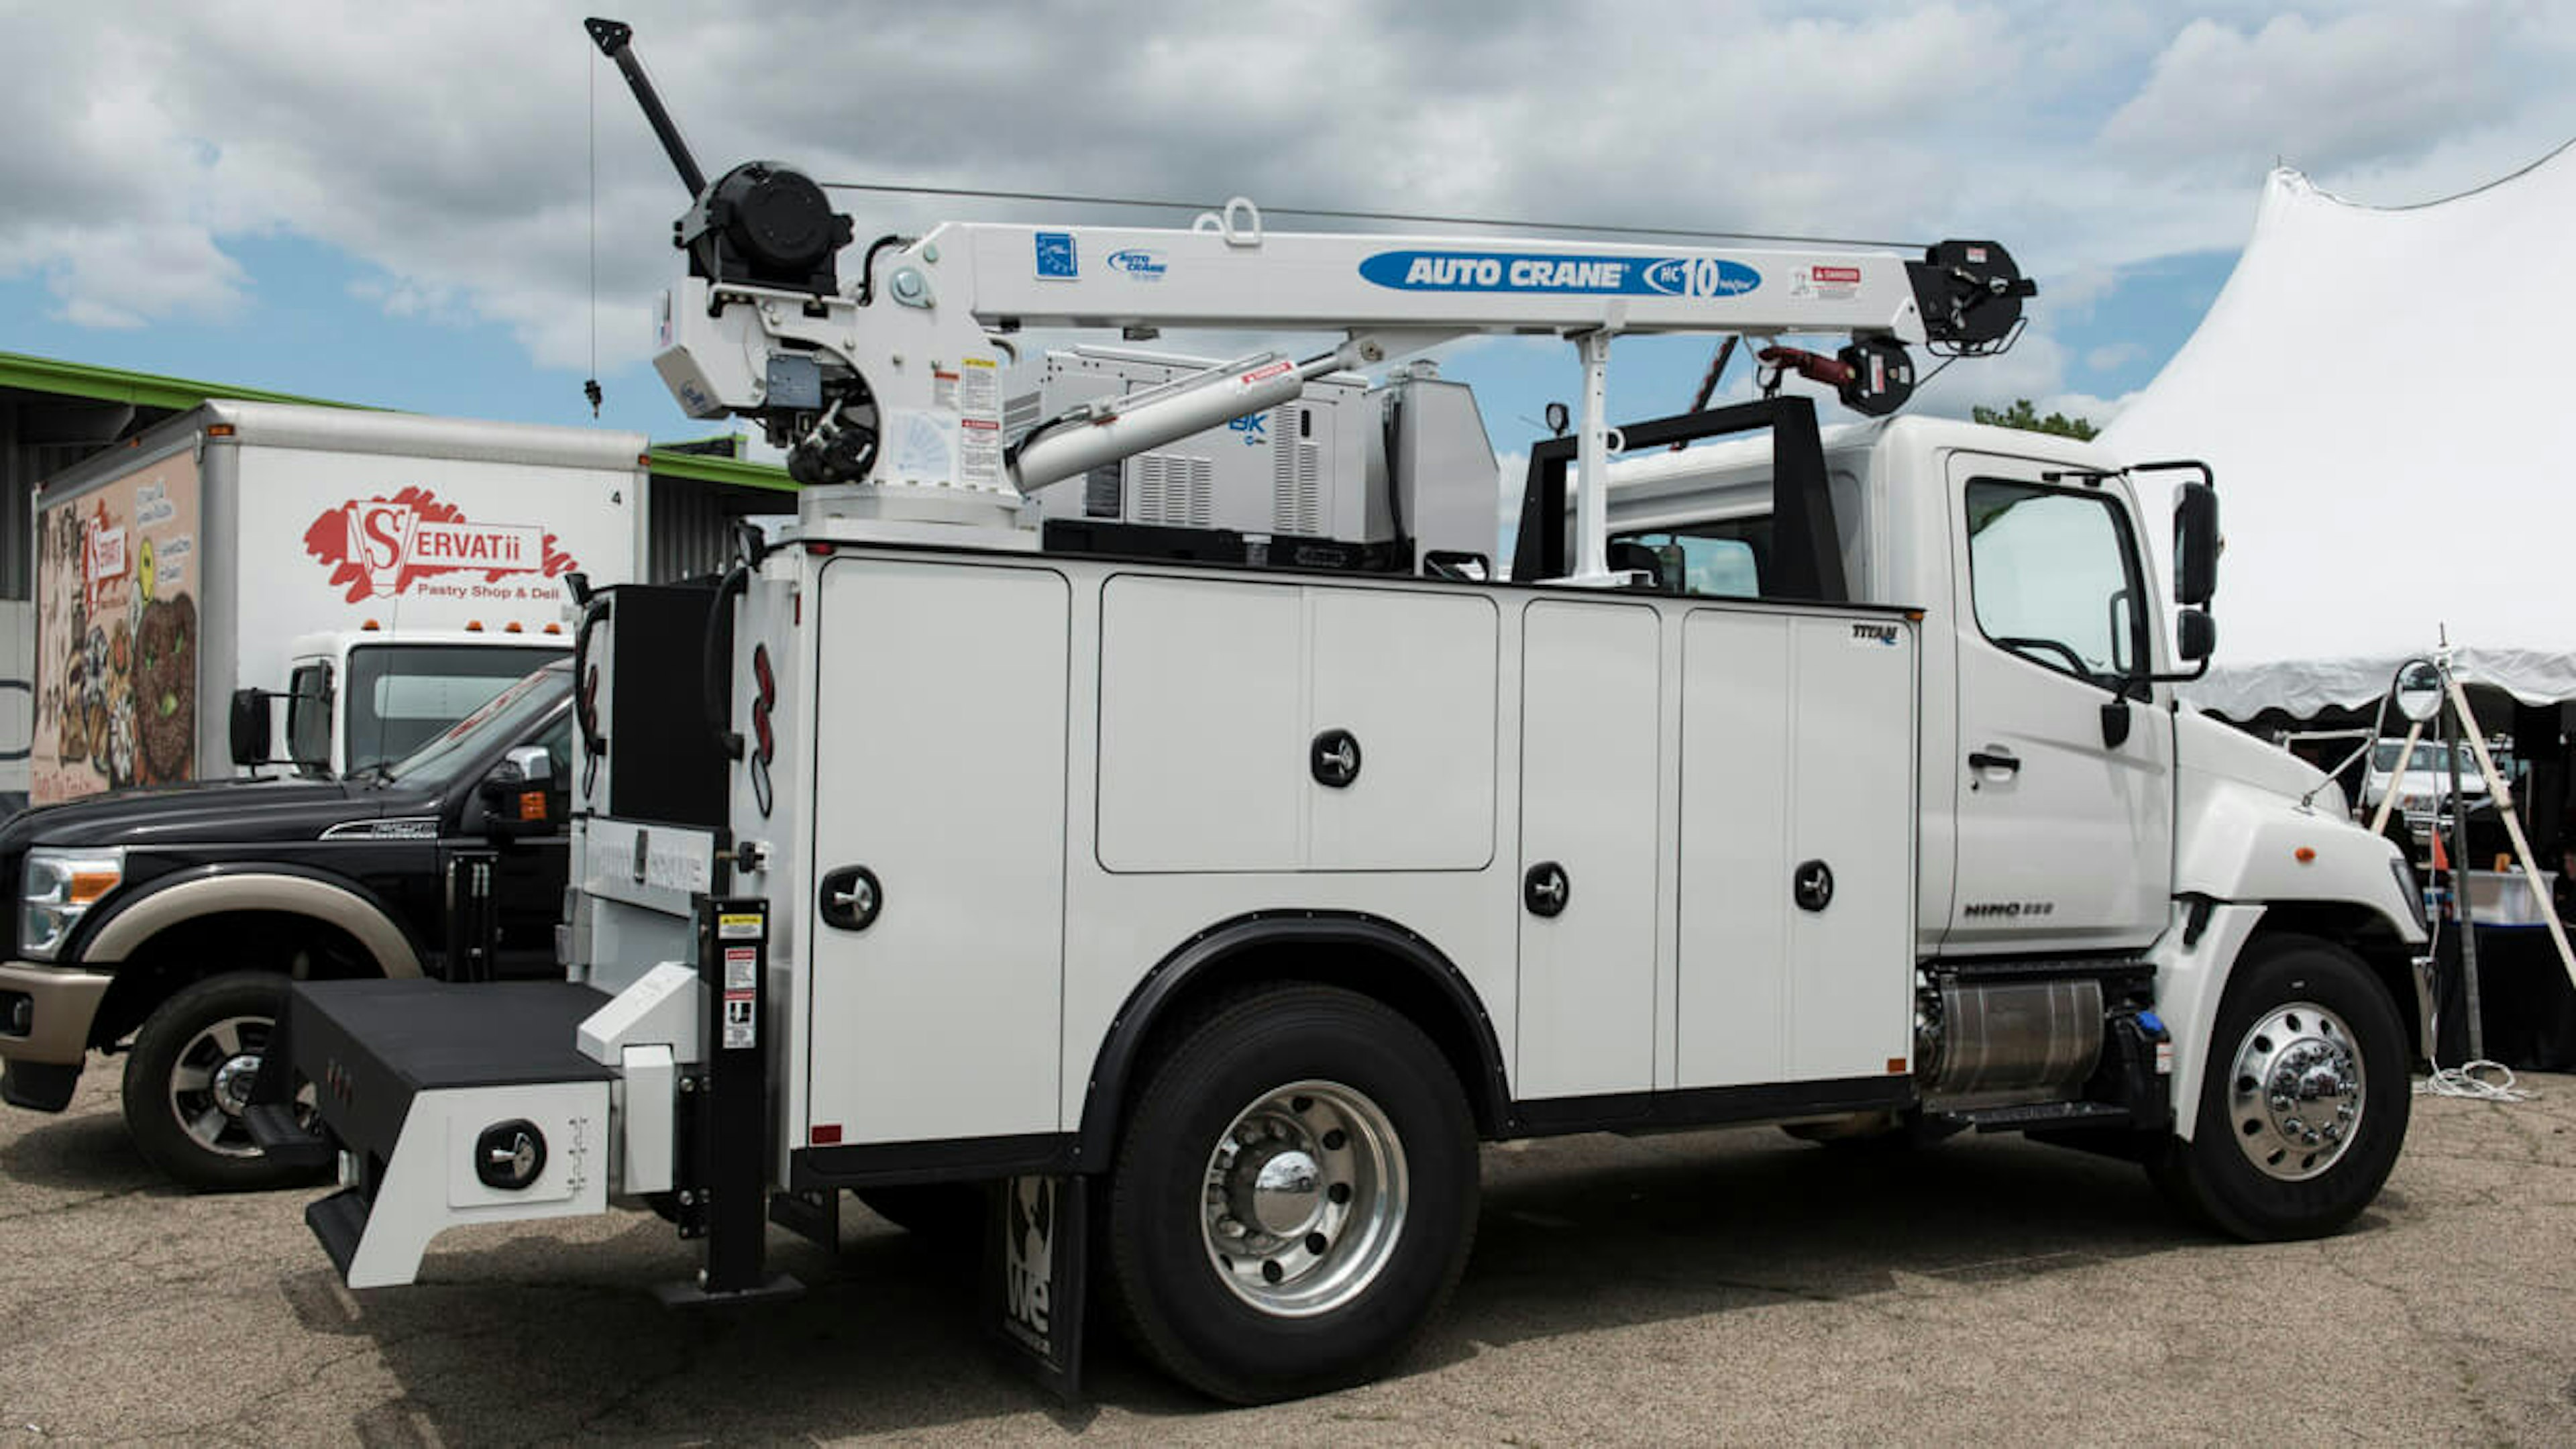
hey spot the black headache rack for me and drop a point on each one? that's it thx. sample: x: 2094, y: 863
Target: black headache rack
x: 370, y: 1048
x: 1806, y: 546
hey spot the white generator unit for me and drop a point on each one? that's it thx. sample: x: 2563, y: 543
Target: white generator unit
x: 1344, y: 476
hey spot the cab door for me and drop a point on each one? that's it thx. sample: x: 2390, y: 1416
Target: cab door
x: 2063, y: 789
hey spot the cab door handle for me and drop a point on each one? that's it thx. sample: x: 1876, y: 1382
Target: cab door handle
x: 1995, y: 757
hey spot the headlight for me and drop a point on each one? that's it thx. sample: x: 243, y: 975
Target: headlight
x: 60, y: 887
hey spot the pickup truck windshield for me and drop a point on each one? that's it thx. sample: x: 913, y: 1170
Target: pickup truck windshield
x: 505, y: 713
x: 401, y: 696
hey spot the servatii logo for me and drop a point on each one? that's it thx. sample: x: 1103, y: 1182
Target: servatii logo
x: 379, y: 548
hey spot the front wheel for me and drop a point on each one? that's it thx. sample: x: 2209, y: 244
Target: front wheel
x: 1294, y: 1196
x: 2303, y: 1099
x: 189, y: 1079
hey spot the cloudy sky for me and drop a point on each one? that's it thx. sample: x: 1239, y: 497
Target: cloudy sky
x: 395, y: 204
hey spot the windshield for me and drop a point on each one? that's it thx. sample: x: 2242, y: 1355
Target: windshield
x: 504, y: 714
x: 401, y: 696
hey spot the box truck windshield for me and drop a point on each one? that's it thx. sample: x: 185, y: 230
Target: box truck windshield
x: 398, y: 697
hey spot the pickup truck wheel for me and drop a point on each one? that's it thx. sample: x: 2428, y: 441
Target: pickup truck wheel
x: 1294, y: 1196
x: 189, y: 1078
x: 2303, y: 1101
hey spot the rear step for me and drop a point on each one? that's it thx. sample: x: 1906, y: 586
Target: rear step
x: 283, y: 1140
x: 2043, y: 1114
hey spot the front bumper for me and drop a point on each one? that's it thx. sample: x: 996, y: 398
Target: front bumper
x: 57, y: 1004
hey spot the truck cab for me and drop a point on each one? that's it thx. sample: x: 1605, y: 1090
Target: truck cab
x: 359, y: 698
x: 2071, y: 805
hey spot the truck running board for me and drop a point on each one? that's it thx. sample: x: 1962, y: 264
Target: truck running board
x: 2031, y: 1115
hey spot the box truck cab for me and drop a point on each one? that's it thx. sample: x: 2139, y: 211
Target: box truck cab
x: 356, y: 699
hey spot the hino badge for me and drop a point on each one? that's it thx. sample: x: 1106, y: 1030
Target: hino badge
x: 1204, y: 858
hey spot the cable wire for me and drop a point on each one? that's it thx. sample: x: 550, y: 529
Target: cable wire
x: 590, y: 384
x: 890, y: 188
x: 2465, y: 1080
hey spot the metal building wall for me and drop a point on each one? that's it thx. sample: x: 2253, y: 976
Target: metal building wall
x: 691, y: 524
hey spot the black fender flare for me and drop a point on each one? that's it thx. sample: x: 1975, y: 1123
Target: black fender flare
x: 1431, y: 976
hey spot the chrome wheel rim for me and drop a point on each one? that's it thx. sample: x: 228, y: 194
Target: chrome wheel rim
x: 2294, y: 1094
x: 1304, y: 1199
x: 210, y: 1085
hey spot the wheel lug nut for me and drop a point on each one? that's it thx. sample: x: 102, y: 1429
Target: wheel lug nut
x: 1316, y: 1243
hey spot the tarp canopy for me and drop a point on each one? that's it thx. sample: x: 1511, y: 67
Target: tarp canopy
x: 2371, y: 388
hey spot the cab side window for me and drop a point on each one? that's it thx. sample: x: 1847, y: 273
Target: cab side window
x: 2055, y: 579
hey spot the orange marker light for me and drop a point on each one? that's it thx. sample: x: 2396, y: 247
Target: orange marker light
x: 473, y: 626
x: 2303, y: 855
x: 532, y: 804
x: 89, y: 885
x: 219, y: 430
x: 513, y: 627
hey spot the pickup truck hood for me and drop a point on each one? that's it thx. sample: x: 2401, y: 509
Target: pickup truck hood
x: 235, y: 811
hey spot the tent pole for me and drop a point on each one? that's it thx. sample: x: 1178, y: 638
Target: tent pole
x: 2460, y: 872
x: 2502, y: 794
x: 2396, y: 777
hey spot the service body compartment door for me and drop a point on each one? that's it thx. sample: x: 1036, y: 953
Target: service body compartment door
x: 1590, y: 818
x: 1216, y: 696
x: 939, y: 770
x: 1797, y: 848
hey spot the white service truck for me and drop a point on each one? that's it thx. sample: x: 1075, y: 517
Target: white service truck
x: 1215, y: 890
x: 384, y: 573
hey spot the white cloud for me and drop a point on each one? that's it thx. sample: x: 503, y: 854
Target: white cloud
x: 445, y: 149
x: 2366, y: 86
x: 2111, y: 355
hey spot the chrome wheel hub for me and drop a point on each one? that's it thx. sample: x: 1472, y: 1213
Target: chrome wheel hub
x: 1304, y: 1199
x: 2295, y: 1092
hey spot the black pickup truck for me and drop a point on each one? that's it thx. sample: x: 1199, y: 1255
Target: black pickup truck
x: 166, y: 924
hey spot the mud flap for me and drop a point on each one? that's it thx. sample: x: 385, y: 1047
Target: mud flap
x: 1035, y: 1262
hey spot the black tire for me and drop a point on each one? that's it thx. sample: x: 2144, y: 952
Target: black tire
x: 2235, y: 1173
x: 946, y: 1215
x: 184, y: 1083
x: 1245, y: 1067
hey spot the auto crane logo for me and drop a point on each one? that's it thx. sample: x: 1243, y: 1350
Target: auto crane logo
x: 379, y: 548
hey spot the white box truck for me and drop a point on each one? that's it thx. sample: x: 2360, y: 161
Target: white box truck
x: 385, y: 573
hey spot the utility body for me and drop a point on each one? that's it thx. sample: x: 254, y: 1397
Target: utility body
x: 1214, y: 888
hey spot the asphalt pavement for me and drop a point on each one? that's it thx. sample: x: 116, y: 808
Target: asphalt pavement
x: 1707, y: 1287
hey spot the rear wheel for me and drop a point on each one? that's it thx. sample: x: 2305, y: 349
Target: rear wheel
x: 1294, y: 1196
x: 2303, y: 1100
x: 189, y: 1079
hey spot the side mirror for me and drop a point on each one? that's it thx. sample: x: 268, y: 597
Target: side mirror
x: 2196, y: 545
x: 249, y: 725
x: 2195, y: 634
x: 518, y: 793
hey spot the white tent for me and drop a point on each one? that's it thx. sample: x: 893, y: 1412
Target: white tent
x: 2372, y: 388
